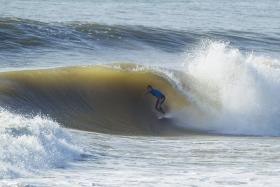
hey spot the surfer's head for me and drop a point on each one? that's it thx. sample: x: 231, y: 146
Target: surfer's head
x: 149, y: 87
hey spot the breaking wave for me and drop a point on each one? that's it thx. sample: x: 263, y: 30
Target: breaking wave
x: 32, y: 144
x: 217, y: 89
x: 238, y: 92
x: 100, y: 99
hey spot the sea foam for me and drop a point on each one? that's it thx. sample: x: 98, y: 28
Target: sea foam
x: 31, y: 144
x: 238, y: 91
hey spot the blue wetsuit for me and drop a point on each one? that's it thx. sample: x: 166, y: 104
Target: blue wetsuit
x: 160, y: 98
x: 157, y: 93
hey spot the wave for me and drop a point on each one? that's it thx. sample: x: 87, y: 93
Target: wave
x: 33, y: 144
x: 19, y: 33
x: 22, y: 34
x: 99, y: 99
x: 239, y: 92
x: 217, y: 89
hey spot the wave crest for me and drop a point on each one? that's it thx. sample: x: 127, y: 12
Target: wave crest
x: 239, y: 92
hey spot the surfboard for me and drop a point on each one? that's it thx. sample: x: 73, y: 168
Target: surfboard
x: 166, y: 115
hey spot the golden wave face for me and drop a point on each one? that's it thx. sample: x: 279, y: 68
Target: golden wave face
x: 97, y: 98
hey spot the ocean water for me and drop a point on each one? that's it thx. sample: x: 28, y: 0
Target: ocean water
x: 73, y: 74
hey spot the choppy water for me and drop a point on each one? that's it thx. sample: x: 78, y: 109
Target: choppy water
x: 152, y: 161
x: 222, y: 58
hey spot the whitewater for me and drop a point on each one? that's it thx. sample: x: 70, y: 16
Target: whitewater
x: 72, y: 82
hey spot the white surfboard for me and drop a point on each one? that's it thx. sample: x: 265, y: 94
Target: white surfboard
x: 166, y: 115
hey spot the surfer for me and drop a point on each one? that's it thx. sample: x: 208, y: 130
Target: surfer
x: 160, y: 98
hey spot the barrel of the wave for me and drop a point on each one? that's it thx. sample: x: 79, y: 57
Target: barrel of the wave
x: 98, y: 98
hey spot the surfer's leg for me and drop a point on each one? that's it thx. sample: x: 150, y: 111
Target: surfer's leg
x: 161, y: 101
x: 157, y: 104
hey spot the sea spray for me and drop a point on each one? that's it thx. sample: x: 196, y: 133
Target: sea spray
x: 237, y: 91
x: 32, y: 144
